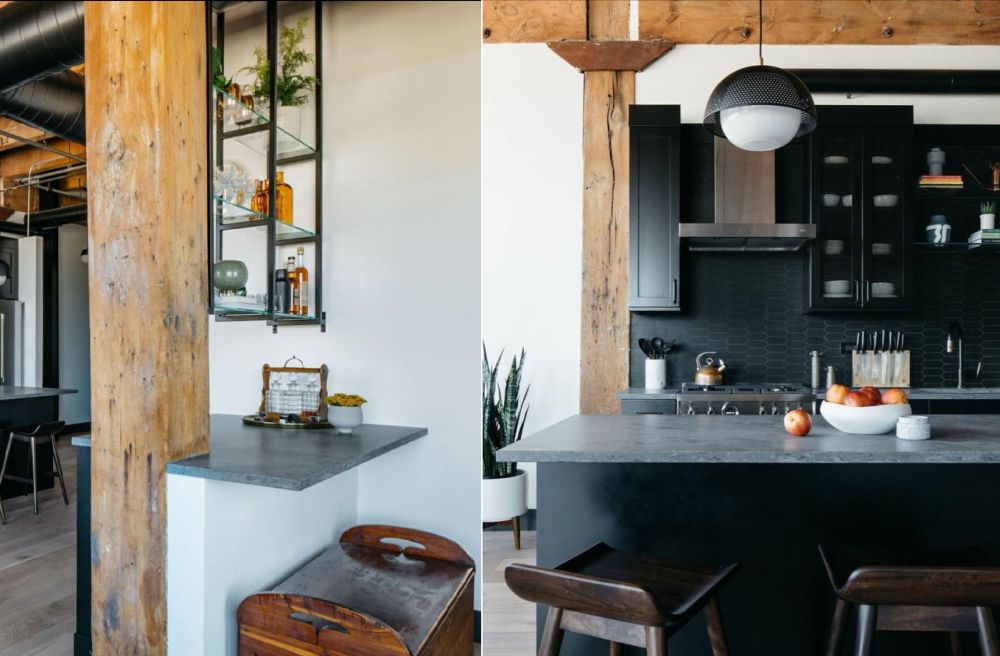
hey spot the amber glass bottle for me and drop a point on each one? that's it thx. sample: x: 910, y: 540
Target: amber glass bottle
x: 293, y: 283
x: 301, y: 292
x: 283, y: 199
x: 259, y: 201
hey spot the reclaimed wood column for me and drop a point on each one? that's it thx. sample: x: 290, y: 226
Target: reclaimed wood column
x: 604, y: 336
x: 146, y: 151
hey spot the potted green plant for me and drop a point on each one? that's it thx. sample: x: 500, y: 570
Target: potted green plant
x: 987, y: 215
x: 292, y: 88
x: 345, y: 411
x: 504, y: 488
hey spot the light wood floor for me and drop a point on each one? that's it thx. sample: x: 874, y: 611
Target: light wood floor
x: 508, y: 622
x: 38, y: 570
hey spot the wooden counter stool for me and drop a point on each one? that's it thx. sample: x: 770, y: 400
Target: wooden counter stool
x: 625, y: 598
x: 896, y: 590
x: 33, y: 436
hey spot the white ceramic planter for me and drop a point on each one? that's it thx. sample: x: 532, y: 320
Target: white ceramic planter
x: 987, y: 221
x: 505, y: 498
x: 290, y: 120
x: 345, y: 420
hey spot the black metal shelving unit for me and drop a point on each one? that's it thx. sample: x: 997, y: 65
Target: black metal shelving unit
x: 278, y: 233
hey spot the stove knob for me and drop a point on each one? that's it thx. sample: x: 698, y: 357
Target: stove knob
x: 787, y: 409
x: 690, y: 409
x: 760, y: 409
x: 729, y: 409
x: 774, y: 409
x: 711, y: 410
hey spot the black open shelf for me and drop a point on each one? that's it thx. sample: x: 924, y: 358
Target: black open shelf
x: 281, y: 148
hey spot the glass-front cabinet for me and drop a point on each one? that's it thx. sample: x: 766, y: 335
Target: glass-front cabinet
x: 265, y: 153
x: 861, y: 201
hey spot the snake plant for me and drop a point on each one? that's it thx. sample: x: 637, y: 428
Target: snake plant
x: 504, y: 413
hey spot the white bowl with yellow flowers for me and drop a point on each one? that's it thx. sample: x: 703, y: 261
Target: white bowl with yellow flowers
x: 345, y: 411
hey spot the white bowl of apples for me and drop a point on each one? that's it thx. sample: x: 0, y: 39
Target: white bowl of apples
x: 866, y: 411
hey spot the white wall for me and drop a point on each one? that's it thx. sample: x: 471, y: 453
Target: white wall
x: 533, y: 181
x: 74, y: 325
x: 226, y: 541
x: 29, y: 292
x: 401, y: 269
x: 533, y: 224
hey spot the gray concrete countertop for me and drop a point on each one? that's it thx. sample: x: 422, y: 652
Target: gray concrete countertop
x: 749, y: 439
x: 915, y: 393
x: 284, y: 458
x: 19, y: 393
x: 642, y: 394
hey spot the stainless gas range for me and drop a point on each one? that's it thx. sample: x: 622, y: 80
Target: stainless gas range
x: 748, y: 399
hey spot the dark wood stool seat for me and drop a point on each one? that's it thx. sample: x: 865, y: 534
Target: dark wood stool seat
x: 623, y: 597
x: 33, y: 436
x: 909, y: 590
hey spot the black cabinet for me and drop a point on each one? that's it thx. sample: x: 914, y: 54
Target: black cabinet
x: 654, y: 208
x: 861, y: 187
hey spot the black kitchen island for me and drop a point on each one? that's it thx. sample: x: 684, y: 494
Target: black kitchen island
x: 23, y: 406
x: 693, y: 488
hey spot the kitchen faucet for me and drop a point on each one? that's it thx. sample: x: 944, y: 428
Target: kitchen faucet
x: 955, y: 334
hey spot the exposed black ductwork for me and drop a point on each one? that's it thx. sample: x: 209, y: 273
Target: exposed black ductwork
x: 54, y: 104
x: 847, y: 80
x: 38, y: 42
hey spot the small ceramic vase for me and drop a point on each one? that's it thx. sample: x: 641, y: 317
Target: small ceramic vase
x: 935, y: 161
x: 230, y: 276
x: 987, y: 221
x: 938, y: 231
x: 344, y: 419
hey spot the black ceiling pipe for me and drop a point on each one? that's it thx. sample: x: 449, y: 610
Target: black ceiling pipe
x: 53, y: 104
x: 48, y: 219
x: 38, y: 39
x: 847, y: 80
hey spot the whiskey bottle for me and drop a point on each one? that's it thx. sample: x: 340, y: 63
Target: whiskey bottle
x: 283, y: 199
x: 293, y: 283
x: 302, y: 282
x: 259, y: 201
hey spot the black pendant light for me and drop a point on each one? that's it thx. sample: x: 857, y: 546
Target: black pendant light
x: 760, y: 107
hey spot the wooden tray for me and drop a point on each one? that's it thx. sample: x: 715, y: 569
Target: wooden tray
x: 251, y: 420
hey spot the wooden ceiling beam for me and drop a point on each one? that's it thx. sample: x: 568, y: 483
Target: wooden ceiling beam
x: 534, y: 21
x: 845, y: 22
x: 797, y: 22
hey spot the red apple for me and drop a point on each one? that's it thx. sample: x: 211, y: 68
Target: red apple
x: 837, y: 394
x: 798, y: 422
x: 873, y: 393
x: 893, y: 396
x: 859, y: 400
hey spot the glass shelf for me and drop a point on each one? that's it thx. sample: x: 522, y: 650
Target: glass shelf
x: 254, y: 133
x: 956, y: 247
x: 238, y: 217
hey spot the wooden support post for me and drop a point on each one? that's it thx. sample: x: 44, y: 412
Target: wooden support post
x: 607, y: 95
x: 146, y: 138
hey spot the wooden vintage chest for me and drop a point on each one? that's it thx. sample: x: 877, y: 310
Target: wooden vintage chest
x: 381, y: 591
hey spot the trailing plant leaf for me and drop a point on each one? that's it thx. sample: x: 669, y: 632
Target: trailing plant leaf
x: 504, y: 413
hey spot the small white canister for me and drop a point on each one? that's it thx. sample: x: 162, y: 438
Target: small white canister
x: 656, y: 373
x: 913, y: 427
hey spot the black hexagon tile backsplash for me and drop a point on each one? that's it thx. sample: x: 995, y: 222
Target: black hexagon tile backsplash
x: 749, y: 308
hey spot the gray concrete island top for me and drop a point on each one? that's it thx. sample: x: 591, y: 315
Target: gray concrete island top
x: 285, y: 458
x: 750, y: 440
x: 19, y: 392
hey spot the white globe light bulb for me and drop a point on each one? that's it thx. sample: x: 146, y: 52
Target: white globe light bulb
x: 760, y: 127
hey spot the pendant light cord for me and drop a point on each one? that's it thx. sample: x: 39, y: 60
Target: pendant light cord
x: 760, y: 31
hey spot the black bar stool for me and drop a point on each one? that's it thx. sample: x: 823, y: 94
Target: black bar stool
x: 898, y: 590
x: 33, y: 436
x: 625, y: 598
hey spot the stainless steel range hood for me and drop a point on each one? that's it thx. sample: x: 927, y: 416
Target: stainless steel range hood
x: 745, y: 208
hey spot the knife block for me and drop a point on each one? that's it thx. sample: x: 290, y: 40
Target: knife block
x: 880, y: 369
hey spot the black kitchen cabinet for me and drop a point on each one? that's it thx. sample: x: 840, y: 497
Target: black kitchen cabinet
x: 862, y: 195
x: 654, y: 281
